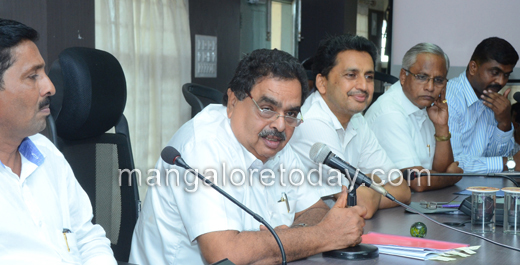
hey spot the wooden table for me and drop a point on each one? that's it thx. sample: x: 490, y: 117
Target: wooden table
x: 396, y: 221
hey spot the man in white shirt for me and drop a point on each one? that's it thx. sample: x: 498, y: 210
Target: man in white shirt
x: 344, y: 68
x: 480, y: 117
x: 46, y: 215
x: 242, y: 147
x: 413, y: 132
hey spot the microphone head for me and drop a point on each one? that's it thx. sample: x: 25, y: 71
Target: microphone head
x: 319, y: 152
x: 516, y: 96
x: 169, y: 154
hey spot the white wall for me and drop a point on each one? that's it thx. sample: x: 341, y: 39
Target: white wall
x: 457, y: 26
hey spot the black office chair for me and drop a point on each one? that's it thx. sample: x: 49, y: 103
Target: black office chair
x: 382, y: 79
x: 50, y: 130
x: 89, y: 101
x: 386, y: 78
x: 199, y: 96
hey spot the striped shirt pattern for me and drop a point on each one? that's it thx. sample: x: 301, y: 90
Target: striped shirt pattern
x: 477, y: 143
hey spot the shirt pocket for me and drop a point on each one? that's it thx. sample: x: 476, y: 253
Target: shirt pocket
x: 282, y: 212
x: 70, y: 253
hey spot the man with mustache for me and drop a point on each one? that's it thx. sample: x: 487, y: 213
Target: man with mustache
x: 46, y: 215
x: 413, y: 132
x: 246, y: 135
x: 480, y: 117
x: 344, y: 69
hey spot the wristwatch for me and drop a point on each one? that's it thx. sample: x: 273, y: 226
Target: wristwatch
x: 510, y: 164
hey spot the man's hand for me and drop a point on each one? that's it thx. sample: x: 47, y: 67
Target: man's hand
x: 454, y: 168
x: 438, y: 113
x: 343, y: 226
x: 501, y: 106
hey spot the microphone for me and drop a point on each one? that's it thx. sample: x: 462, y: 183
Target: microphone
x: 171, y: 156
x: 516, y: 96
x: 321, y: 153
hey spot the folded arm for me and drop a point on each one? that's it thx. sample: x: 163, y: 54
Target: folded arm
x: 339, y: 228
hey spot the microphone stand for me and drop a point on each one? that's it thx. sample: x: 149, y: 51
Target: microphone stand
x: 357, y: 252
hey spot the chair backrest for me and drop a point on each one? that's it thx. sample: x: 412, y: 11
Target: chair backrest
x: 50, y: 130
x: 89, y: 101
x: 199, y: 96
x: 383, y: 81
x: 383, y: 77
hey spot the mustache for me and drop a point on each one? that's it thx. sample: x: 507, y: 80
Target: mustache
x: 494, y: 87
x: 45, y: 102
x: 264, y: 133
x: 357, y: 92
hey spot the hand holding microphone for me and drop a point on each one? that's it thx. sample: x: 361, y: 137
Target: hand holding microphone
x: 344, y: 224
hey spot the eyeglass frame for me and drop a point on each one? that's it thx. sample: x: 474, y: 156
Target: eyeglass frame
x: 428, y: 78
x: 298, y: 121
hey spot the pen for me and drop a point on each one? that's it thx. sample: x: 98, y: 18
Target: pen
x: 284, y: 199
x: 65, y: 232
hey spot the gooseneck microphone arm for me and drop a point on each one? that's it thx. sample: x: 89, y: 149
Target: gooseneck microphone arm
x: 321, y: 153
x: 171, y: 156
x: 508, y: 175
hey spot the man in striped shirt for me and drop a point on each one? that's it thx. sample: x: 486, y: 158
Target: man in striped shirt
x: 480, y: 117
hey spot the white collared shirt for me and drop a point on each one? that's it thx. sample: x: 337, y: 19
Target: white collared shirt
x: 356, y: 144
x: 172, y: 218
x: 40, y: 204
x: 403, y: 130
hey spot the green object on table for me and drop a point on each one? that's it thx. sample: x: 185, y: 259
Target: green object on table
x: 418, y: 229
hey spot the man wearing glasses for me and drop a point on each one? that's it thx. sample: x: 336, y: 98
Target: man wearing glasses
x: 247, y: 136
x: 410, y: 120
x: 344, y: 69
x: 480, y: 117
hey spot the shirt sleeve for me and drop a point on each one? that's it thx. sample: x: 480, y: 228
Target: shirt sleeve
x: 92, y: 243
x: 501, y: 142
x: 394, y: 135
x: 374, y: 157
x: 213, y: 211
x: 491, y: 161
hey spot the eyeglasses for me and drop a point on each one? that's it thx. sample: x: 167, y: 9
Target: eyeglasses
x: 273, y: 115
x: 424, y: 79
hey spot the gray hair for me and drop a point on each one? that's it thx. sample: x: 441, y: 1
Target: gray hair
x: 410, y: 57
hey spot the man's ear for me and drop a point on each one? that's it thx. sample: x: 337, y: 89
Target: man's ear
x: 321, y: 84
x: 472, y: 67
x: 402, y: 76
x: 232, y: 100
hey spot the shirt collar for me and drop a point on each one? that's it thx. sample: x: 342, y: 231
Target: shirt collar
x: 408, y: 106
x: 335, y: 122
x: 250, y: 160
x: 30, y: 152
x: 467, y: 90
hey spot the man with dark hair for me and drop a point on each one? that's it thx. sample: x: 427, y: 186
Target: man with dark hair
x: 242, y: 147
x: 46, y: 215
x: 344, y: 68
x: 410, y: 120
x: 480, y: 117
